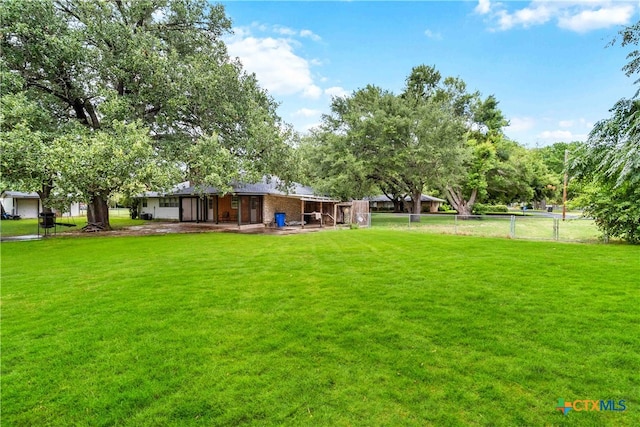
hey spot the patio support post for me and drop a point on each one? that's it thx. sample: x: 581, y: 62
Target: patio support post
x: 215, y: 210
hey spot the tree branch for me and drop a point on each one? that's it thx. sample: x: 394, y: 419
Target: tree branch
x: 88, y: 106
x: 118, y: 4
x: 50, y: 91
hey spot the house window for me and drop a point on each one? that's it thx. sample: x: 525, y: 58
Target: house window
x: 144, y: 203
x: 234, y: 202
x: 169, y: 202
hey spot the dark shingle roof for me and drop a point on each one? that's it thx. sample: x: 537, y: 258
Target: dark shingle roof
x: 266, y: 186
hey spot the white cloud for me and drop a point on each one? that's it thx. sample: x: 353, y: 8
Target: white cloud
x: 581, y: 123
x: 336, y: 91
x: 561, y: 136
x: 603, y: 17
x: 307, y: 112
x: 310, y: 34
x: 520, y: 124
x: 278, y: 68
x: 273, y: 58
x: 312, y: 91
x: 555, y: 134
x: 434, y: 36
x: 535, y: 15
x: 483, y: 7
x: 578, y: 16
x: 285, y: 31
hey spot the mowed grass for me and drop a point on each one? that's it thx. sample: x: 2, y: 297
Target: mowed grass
x: 349, y: 327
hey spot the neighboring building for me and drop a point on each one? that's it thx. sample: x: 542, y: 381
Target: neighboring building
x: 25, y: 205
x: 28, y: 205
x: 427, y: 202
x: 245, y: 204
x: 382, y: 203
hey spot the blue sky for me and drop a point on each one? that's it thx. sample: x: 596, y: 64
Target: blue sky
x: 545, y: 61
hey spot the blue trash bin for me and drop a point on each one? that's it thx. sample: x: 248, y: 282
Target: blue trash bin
x: 280, y: 216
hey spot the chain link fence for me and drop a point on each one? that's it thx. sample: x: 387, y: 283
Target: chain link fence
x: 535, y: 227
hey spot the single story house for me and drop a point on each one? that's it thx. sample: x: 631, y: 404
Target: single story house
x: 164, y: 205
x: 383, y: 203
x: 245, y: 204
x: 29, y: 205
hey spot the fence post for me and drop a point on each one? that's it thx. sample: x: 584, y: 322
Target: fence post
x: 455, y: 224
x: 556, y: 229
x: 512, y: 231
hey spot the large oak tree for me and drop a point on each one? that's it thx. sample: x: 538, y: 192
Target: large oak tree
x: 401, y: 144
x: 125, y: 69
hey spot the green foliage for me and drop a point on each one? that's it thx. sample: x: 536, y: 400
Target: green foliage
x: 444, y: 207
x: 608, y: 164
x: 480, y: 209
x: 488, y: 173
x: 159, y: 64
x: 483, y: 209
x: 499, y: 208
x: 330, y: 169
x: 399, y: 144
x: 615, y: 209
x: 120, y: 157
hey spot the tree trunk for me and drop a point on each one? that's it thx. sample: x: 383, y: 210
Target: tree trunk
x: 459, y: 203
x: 98, y: 212
x: 44, y: 195
x: 417, y: 206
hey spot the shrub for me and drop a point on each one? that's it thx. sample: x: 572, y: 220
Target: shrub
x: 498, y: 208
x: 444, y: 208
x: 480, y: 209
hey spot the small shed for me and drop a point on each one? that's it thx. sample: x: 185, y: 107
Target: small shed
x: 354, y: 212
x: 25, y: 205
x: 29, y: 205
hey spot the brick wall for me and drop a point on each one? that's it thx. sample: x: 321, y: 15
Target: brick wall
x: 290, y: 206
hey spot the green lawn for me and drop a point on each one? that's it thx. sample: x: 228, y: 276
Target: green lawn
x: 336, y: 328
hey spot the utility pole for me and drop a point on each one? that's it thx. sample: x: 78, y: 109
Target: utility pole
x: 564, y: 187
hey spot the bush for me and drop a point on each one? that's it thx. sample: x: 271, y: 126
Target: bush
x: 444, y: 208
x: 615, y: 210
x: 480, y: 209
